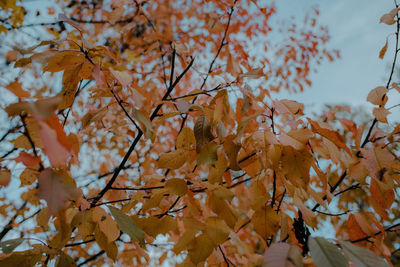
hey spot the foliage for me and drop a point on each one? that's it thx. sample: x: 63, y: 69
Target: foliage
x: 164, y: 125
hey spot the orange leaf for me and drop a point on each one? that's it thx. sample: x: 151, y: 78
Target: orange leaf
x: 377, y: 96
x: 329, y: 134
x: 55, y: 142
x: 383, y: 50
x: 5, y: 176
x: 27, y: 159
x: 16, y: 88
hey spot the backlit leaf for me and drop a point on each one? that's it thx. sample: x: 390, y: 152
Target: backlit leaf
x: 362, y: 257
x: 202, y: 132
x: 282, y: 254
x: 325, y: 253
x: 377, y: 96
x: 127, y: 225
x: 174, y: 159
x: 176, y: 186
x: 55, y: 191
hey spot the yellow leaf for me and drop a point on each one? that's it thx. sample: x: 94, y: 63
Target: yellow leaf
x: 265, y: 221
x: 105, y: 224
x: 208, y: 154
x: 28, y: 176
x: 43, y: 217
x: 219, y: 168
x: 174, y: 159
x: 145, y: 123
x: 202, y: 247
x: 296, y: 165
x: 108, y: 246
x: 27, y: 258
x: 186, y: 139
x: 217, y: 230
x: 176, y: 186
x: 154, y: 226
x: 222, y: 209
x: 65, y: 260
x: 71, y: 79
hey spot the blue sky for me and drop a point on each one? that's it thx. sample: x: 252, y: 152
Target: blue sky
x: 355, y: 30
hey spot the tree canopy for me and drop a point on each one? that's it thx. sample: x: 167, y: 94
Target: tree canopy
x: 127, y: 122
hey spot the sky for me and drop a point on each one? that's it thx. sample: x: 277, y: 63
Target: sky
x: 355, y: 30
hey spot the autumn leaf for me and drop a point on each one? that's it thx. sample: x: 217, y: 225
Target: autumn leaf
x: 361, y: 256
x: 381, y: 114
x: 389, y: 17
x: 55, y: 191
x: 11, y: 244
x: 55, y: 142
x: 5, y: 176
x: 174, y: 159
x: 106, y: 225
x: 127, y: 225
x: 325, y: 253
x: 265, y: 221
x: 383, y: 50
x: 16, y: 88
x: 282, y: 254
x: 176, y: 186
x: 42, y: 108
x: 202, y: 132
x: 377, y: 96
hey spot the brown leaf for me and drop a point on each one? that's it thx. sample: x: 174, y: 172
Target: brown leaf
x: 5, y: 176
x: 383, y: 50
x: 202, y: 132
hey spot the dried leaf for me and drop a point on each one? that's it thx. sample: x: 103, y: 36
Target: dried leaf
x: 389, y: 17
x: 382, y: 52
x: 202, y: 132
x: 381, y: 114
x: 377, y: 96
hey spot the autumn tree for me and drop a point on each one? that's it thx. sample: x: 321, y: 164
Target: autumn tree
x: 131, y: 121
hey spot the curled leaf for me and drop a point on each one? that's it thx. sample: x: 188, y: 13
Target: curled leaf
x: 383, y: 50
